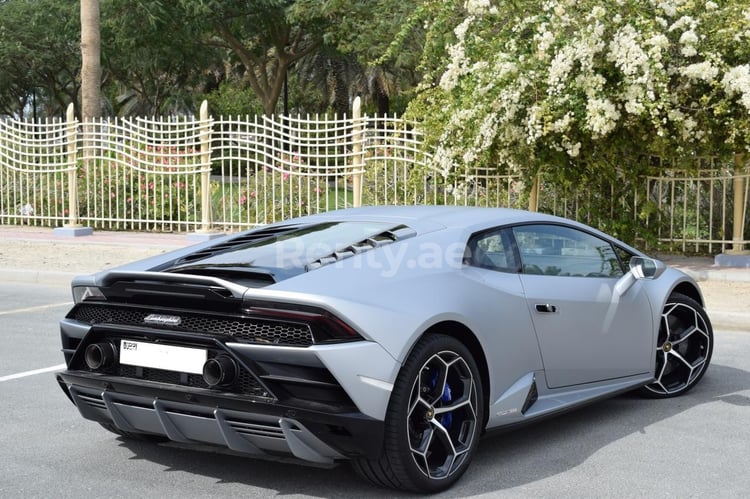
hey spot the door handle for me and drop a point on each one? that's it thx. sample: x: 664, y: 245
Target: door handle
x: 546, y: 308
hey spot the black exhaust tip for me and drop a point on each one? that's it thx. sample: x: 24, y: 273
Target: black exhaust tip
x: 219, y: 371
x: 100, y: 355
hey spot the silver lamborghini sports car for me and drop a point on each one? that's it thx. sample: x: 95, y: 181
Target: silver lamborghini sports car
x: 391, y: 337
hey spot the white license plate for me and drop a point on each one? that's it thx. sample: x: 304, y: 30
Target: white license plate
x: 155, y: 355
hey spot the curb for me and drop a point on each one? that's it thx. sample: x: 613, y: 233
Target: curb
x: 722, y: 319
x: 729, y: 274
x: 44, y: 277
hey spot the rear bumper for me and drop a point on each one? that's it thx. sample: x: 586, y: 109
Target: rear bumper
x: 251, y: 427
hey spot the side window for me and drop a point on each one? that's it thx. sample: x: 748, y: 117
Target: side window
x: 491, y: 250
x: 625, y: 257
x: 564, y: 251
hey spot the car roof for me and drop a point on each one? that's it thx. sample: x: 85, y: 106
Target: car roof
x: 428, y: 218
x: 423, y: 216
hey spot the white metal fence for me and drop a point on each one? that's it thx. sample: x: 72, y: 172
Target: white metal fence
x: 226, y: 174
x: 697, y: 211
x: 36, y: 161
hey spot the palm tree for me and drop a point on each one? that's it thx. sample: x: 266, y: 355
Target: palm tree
x: 341, y: 77
x: 91, y: 69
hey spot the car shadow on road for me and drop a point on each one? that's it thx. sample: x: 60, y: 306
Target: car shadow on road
x: 504, y: 460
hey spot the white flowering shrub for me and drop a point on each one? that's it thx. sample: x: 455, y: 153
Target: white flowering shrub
x: 573, y: 86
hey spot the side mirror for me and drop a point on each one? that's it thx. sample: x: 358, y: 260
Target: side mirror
x: 641, y: 267
x: 646, y: 268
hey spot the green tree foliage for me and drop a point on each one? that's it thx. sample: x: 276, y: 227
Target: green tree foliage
x: 381, y: 43
x: 154, y: 59
x: 39, y: 56
x: 368, y: 28
x: 231, y: 99
x: 163, y: 57
x: 266, y: 37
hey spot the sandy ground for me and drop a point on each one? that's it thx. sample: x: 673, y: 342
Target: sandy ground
x: 67, y: 257
x: 726, y: 295
x: 76, y: 258
x: 40, y: 249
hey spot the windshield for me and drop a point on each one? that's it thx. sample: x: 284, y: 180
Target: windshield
x: 296, y: 248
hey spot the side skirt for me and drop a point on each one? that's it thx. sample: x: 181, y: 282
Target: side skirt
x: 529, y: 399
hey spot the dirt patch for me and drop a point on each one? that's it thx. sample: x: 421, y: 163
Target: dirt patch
x: 726, y: 295
x: 66, y: 257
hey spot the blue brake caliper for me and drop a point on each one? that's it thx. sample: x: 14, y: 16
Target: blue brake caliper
x: 446, y: 419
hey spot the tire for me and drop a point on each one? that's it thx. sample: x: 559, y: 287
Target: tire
x: 144, y: 437
x: 683, y: 348
x: 433, y: 422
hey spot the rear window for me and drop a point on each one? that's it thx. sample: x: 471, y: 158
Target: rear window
x: 298, y: 247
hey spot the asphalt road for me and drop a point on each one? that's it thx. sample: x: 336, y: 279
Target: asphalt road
x: 693, y: 446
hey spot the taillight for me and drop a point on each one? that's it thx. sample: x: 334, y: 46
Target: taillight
x: 325, y: 327
x: 87, y: 293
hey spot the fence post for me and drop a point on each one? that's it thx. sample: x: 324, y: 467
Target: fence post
x: 72, y: 137
x: 206, y: 227
x: 738, y: 228
x: 357, y: 154
x: 534, y: 194
x: 73, y: 227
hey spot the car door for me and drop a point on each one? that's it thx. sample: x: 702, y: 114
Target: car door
x: 587, y: 332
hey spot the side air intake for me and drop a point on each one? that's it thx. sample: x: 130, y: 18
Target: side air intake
x: 531, y: 397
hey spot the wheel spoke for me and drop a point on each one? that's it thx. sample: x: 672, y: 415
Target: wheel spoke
x: 664, y: 361
x: 461, y: 401
x: 449, y: 450
x: 424, y: 443
x: 675, y: 354
x: 685, y: 335
x: 450, y: 408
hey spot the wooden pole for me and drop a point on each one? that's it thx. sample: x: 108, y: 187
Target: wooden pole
x: 358, y: 160
x: 738, y: 226
x: 72, y: 137
x: 205, y: 140
x: 534, y: 195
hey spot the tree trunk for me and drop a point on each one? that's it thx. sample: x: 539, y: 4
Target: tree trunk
x: 91, y: 70
x: 340, y: 87
x: 381, y: 97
